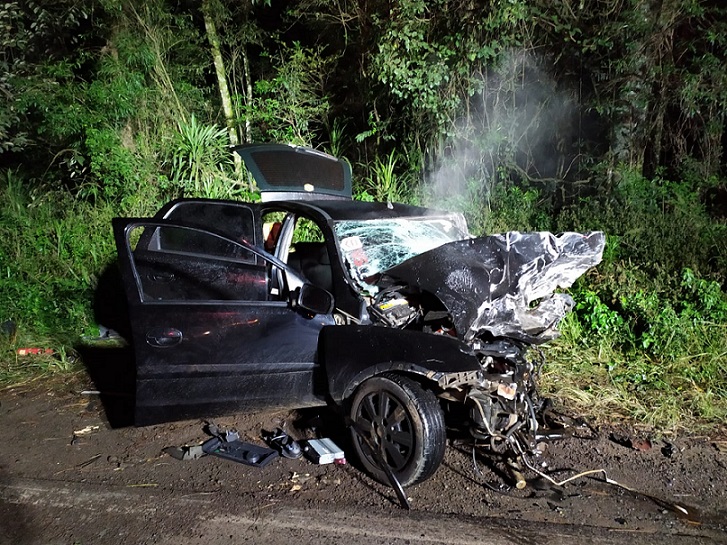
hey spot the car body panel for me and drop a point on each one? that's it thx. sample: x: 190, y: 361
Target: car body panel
x: 356, y: 352
x: 504, y: 284
x: 205, y: 347
x: 230, y: 357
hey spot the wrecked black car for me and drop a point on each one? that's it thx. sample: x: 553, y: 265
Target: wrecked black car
x: 392, y: 313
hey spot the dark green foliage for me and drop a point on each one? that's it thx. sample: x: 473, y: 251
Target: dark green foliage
x: 662, y: 226
x: 291, y: 104
x: 52, y: 249
x: 655, y: 309
x: 662, y: 248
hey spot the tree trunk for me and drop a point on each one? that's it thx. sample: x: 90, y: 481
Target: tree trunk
x: 214, y: 41
x: 248, y: 93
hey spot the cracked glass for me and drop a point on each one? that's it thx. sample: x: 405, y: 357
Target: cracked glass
x: 373, y: 246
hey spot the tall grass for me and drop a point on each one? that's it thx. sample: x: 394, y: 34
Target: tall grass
x: 385, y: 184
x: 200, y: 163
x: 609, y: 383
x: 52, y: 249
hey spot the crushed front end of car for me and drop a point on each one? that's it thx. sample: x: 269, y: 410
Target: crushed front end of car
x: 500, y: 295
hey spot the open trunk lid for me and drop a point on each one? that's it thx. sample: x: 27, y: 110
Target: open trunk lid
x: 286, y: 172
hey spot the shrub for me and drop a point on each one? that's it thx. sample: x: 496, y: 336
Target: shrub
x: 52, y: 249
x: 650, y: 323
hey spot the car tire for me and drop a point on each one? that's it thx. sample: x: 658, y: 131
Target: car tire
x: 407, y: 418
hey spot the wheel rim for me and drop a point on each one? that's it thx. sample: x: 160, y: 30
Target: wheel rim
x: 383, y: 417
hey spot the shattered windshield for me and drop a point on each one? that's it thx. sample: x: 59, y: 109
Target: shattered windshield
x: 372, y: 246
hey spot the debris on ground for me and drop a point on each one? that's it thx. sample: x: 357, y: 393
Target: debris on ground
x: 323, y: 451
x: 298, y: 480
x: 641, y: 444
x: 636, y: 443
x: 240, y: 451
x: 225, y: 444
x: 283, y: 443
x: 88, y: 430
x: 34, y: 351
x: 185, y: 453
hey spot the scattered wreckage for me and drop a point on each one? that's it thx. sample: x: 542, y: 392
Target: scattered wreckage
x: 391, y: 313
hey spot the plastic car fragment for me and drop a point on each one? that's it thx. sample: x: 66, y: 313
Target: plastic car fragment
x: 225, y: 444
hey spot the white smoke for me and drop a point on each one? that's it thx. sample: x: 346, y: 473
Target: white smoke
x: 518, y: 118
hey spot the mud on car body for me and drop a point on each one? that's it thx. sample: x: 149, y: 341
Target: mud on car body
x: 392, y: 313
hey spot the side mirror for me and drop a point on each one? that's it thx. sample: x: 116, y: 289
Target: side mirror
x: 314, y: 299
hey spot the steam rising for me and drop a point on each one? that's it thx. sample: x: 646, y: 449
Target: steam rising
x: 519, y: 126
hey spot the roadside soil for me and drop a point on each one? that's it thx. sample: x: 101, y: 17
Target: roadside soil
x: 60, y: 433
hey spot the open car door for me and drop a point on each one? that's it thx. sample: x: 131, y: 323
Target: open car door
x: 208, y: 336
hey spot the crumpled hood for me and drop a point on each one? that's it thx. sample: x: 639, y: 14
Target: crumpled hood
x: 489, y: 284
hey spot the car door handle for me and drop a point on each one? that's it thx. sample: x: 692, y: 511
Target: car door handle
x: 163, y: 337
x: 162, y: 278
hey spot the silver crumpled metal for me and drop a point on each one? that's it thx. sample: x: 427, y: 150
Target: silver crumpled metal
x: 505, y: 285
x: 535, y: 266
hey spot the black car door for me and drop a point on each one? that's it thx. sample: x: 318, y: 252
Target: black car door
x: 208, y: 337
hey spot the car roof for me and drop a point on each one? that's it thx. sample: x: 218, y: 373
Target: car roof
x: 330, y: 210
x: 341, y: 210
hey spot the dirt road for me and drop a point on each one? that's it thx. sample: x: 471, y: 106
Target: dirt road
x: 67, y: 477
x: 37, y: 511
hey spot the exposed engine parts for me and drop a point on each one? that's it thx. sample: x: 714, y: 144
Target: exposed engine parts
x: 505, y: 405
x: 393, y: 309
x: 502, y: 397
